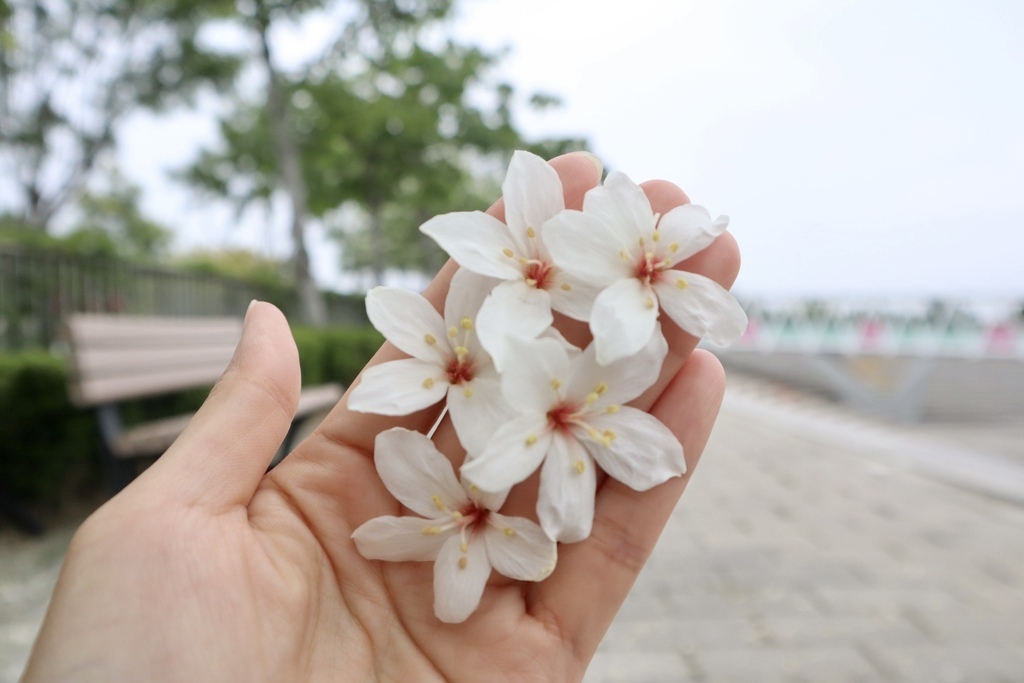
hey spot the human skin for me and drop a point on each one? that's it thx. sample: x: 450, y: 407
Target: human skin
x: 208, y: 568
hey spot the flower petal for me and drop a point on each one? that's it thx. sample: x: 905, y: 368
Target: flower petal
x: 459, y: 579
x: 478, y: 409
x: 485, y: 499
x: 512, y: 454
x: 581, y: 245
x: 641, y: 452
x: 408, y: 321
x: 702, y: 307
x: 466, y: 294
x: 690, y: 226
x: 573, y: 297
x: 416, y: 473
x: 622, y: 320
x: 619, y: 381
x: 568, y: 484
x: 533, y: 193
x: 399, y: 387
x: 513, y: 309
x: 399, y: 539
x: 519, y: 548
x: 622, y: 207
x: 541, y: 367
x: 477, y: 241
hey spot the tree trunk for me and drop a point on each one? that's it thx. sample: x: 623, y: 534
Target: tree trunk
x: 312, y: 310
x: 378, y: 245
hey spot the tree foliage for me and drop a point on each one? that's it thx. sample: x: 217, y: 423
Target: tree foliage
x: 388, y: 135
x: 71, y: 70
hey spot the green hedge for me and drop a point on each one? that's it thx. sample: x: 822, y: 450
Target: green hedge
x: 46, y: 443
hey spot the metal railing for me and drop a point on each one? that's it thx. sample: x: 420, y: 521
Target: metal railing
x: 38, y: 288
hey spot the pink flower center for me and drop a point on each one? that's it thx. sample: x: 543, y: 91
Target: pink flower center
x: 473, y: 518
x: 563, y: 416
x: 460, y: 370
x: 649, y: 268
x: 539, y: 274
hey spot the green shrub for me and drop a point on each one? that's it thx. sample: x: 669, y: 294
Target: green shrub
x: 348, y: 350
x: 335, y: 354
x: 44, y: 441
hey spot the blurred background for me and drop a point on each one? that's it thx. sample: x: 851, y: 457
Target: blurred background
x: 182, y: 157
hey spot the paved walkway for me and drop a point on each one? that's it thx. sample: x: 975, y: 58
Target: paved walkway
x: 808, y: 548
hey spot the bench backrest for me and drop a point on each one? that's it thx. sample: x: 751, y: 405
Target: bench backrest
x: 116, y: 357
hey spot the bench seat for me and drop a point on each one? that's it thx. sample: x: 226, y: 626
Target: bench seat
x: 116, y: 358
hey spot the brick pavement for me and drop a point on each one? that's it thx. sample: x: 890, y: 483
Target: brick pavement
x: 798, y: 554
x: 803, y: 556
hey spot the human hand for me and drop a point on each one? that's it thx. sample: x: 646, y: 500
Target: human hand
x: 209, y: 568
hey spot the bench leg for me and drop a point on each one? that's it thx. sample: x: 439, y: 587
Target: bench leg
x: 118, y: 472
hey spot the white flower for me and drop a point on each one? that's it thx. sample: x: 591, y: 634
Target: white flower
x: 572, y: 414
x: 447, y: 360
x: 514, y: 252
x: 620, y: 246
x: 463, y: 532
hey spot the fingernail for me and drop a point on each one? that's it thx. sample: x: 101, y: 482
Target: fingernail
x: 245, y: 320
x: 593, y: 159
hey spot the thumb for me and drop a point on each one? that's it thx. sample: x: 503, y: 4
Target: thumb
x: 226, y: 448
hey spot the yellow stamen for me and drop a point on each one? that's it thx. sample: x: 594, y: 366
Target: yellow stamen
x: 609, y: 434
x: 531, y: 439
x: 456, y: 515
x: 466, y: 324
x: 649, y: 255
x: 566, y: 287
x: 453, y: 332
x: 642, y: 241
x: 601, y: 388
x: 463, y: 561
x: 522, y: 261
x: 431, y: 530
x: 428, y: 383
x: 623, y: 255
x: 473, y: 488
x: 429, y: 338
x: 531, y: 233
x: 656, y: 237
x: 649, y: 304
x: 509, y: 531
x: 461, y: 351
x: 674, y: 247
x: 463, y: 547
x: 555, y: 383
x: 681, y: 283
x: 579, y: 466
x: 530, y: 281
x: 591, y: 397
x: 438, y: 503
x: 508, y: 252
x: 612, y: 409
x: 467, y: 392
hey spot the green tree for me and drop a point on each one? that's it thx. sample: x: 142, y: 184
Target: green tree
x: 387, y: 138
x: 71, y: 70
x: 116, y: 216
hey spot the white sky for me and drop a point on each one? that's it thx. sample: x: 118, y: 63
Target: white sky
x: 869, y: 147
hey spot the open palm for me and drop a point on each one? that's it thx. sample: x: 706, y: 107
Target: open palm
x: 208, y: 568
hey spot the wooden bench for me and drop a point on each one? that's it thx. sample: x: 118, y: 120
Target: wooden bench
x: 115, y: 358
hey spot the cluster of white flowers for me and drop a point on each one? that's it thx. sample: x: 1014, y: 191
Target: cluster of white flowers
x: 522, y: 398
